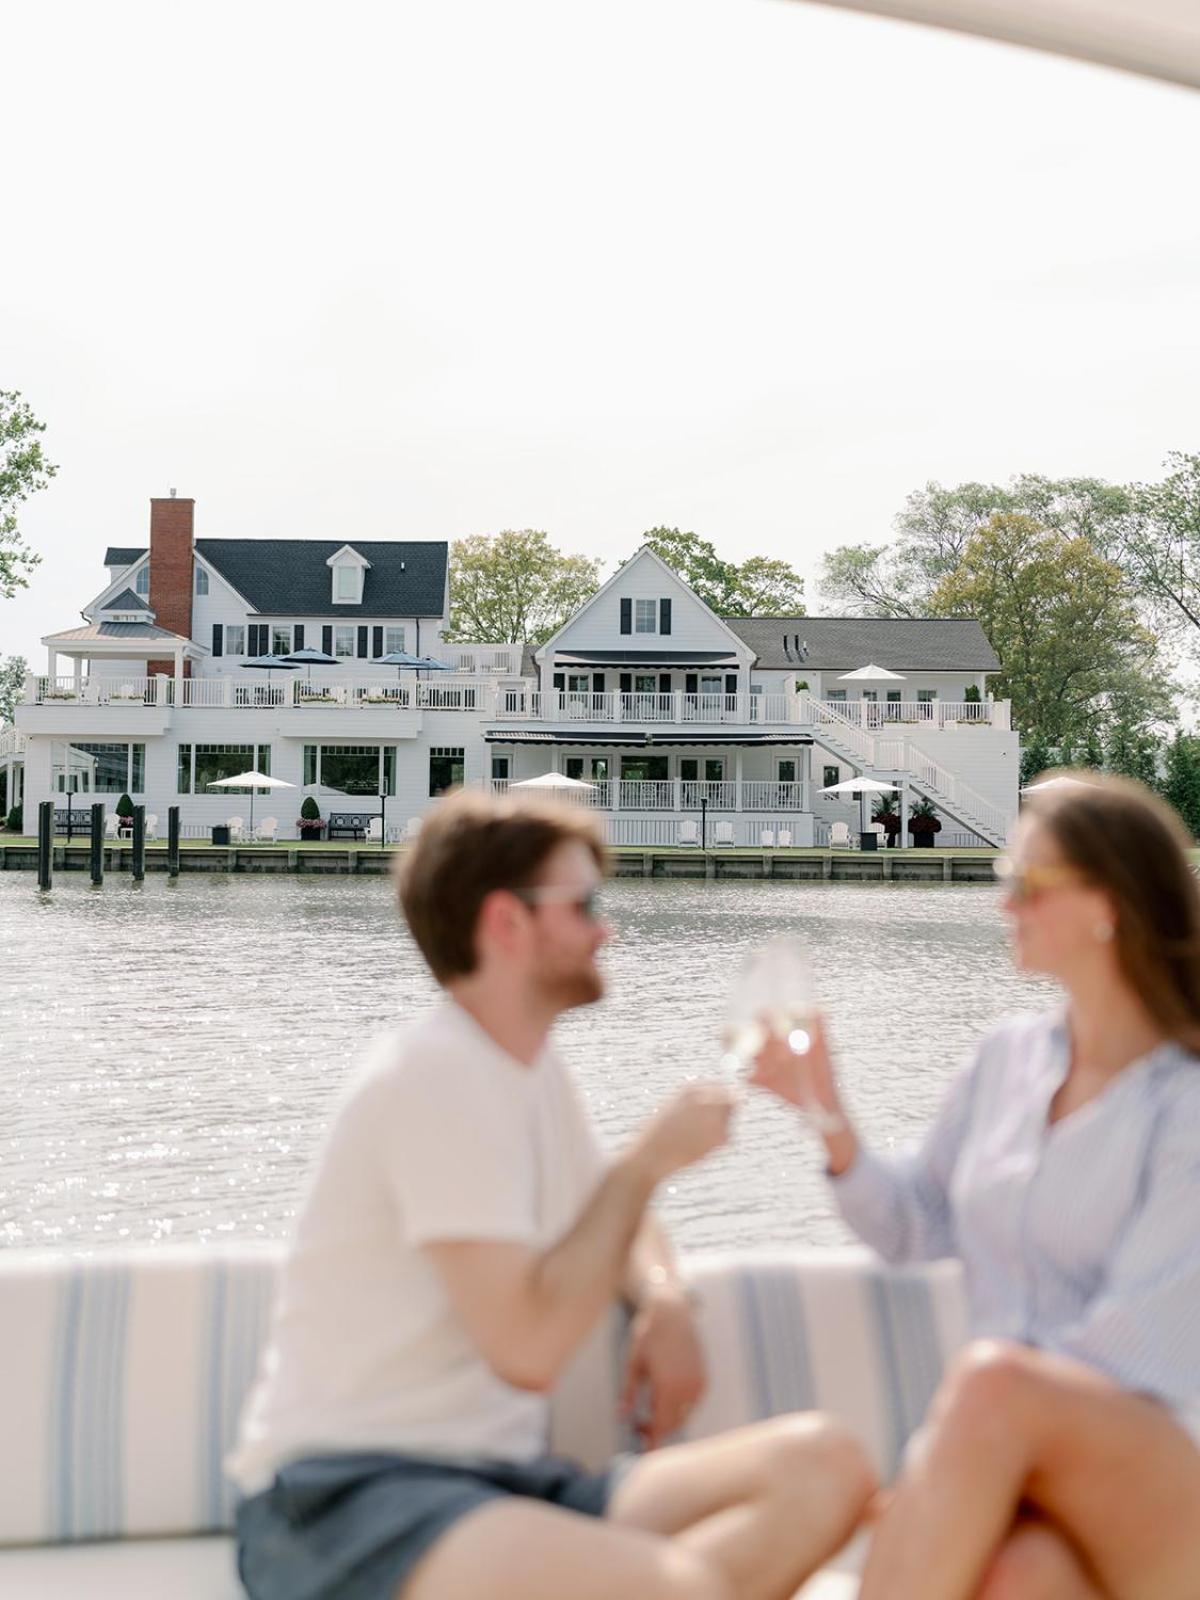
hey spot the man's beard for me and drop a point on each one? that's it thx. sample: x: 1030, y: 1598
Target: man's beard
x: 570, y: 989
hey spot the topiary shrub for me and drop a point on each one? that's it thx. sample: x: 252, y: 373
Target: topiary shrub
x: 310, y: 811
x: 124, y: 806
x: 16, y: 819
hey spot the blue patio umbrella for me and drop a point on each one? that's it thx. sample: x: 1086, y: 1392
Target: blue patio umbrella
x: 309, y: 658
x: 271, y: 664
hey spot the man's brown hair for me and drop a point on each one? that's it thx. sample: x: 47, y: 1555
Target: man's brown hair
x: 470, y: 845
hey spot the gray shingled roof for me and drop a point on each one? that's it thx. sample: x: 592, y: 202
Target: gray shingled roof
x: 289, y: 578
x: 127, y: 601
x: 930, y: 644
x: 120, y: 555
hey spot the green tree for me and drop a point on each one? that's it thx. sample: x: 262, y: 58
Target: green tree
x: 937, y: 523
x: 1133, y: 751
x: 515, y: 587
x: 1093, y: 751
x: 23, y: 470
x: 12, y: 685
x: 1036, y: 757
x: 759, y: 586
x: 1162, y: 546
x: 1072, y: 649
x: 1181, y: 779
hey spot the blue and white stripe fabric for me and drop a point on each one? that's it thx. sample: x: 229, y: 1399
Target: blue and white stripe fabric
x: 1081, y: 1237
x: 122, y: 1376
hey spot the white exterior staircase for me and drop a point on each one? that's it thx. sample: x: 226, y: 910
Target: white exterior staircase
x: 902, y: 761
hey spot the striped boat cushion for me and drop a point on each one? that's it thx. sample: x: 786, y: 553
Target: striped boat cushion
x: 831, y: 1330
x: 122, y: 1376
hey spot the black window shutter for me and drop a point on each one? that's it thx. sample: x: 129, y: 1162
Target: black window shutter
x: 731, y: 683
x: 626, y: 616
x: 664, y: 683
x: 560, y: 680
x: 664, y: 616
x: 298, y: 636
x: 597, y: 683
x: 691, y: 683
x: 362, y: 640
x: 218, y: 639
x: 327, y: 639
x: 376, y: 641
x: 626, y: 679
x: 252, y: 639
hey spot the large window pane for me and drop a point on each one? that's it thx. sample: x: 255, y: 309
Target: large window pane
x: 343, y: 641
x: 446, y: 768
x: 346, y: 582
x: 88, y: 768
x: 235, y: 639
x: 645, y: 616
x: 214, y: 761
x: 393, y: 639
x: 389, y: 769
x: 281, y: 640
x: 350, y: 769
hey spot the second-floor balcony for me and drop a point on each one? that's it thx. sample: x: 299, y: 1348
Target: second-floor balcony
x: 680, y: 795
x: 483, y: 696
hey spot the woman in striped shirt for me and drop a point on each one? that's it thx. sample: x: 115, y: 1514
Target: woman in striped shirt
x: 1061, y: 1456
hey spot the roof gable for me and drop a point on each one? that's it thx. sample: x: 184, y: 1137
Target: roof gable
x: 645, y: 575
x: 127, y: 601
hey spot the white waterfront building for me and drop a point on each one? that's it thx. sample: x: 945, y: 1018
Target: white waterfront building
x: 678, y: 717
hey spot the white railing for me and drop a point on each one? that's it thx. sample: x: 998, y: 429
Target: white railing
x: 534, y: 705
x: 94, y: 691
x: 482, y: 660
x: 821, y: 715
x: 873, y: 714
x: 12, y: 743
x: 682, y: 795
x: 968, y: 804
x: 446, y: 693
x: 722, y: 833
x: 757, y: 796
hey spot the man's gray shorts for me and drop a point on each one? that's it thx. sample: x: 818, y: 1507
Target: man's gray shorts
x: 352, y: 1527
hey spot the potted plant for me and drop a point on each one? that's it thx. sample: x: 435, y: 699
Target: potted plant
x: 125, y: 813
x: 923, y: 823
x: 884, y: 812
x: 309, y: 821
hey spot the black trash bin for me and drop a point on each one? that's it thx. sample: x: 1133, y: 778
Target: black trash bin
x: 868, y: 841
x: 220, y: 833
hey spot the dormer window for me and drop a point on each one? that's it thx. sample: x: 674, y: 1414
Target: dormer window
x: 349, y: 569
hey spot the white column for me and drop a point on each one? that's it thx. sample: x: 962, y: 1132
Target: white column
x: 179, y: 675
x: 904, y: 813
x: 77, y: 666
x: 51, y: 662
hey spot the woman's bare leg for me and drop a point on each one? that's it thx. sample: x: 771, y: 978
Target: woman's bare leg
x: 1036, y: 1563
x: 1111, y: 1470
x: 745, y: 1516
x: 766, y: 1504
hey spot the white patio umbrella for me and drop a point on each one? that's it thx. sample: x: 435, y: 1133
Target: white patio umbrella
x: 1054, y: 783
x: 552, y: 780
x: 871, y: 674
x: 861, y: 787
x: 250, y: 780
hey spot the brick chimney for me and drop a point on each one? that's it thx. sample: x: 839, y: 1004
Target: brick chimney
x: 171, y: 578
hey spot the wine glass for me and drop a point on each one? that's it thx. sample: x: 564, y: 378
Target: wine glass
x: 773, y: 995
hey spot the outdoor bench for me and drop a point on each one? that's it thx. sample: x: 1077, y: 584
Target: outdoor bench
x: 342, y: 824
x: 122, y: 1376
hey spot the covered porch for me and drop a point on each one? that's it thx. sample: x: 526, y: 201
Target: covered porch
x: 124, y: 661
x: 663, y: 773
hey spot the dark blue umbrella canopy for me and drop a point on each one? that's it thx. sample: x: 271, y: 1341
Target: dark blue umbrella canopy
x: 308, y: 658
x: 399, y: 658
x: 271, y: 664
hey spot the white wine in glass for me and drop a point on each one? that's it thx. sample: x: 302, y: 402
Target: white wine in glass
x: 773, y: 994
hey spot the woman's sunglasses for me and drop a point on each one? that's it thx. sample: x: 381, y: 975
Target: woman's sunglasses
x: 1026, y: 883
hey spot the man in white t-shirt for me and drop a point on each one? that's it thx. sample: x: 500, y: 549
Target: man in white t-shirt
x: 462, y: 1237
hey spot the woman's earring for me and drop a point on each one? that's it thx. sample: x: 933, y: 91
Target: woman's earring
x: 1102, y: 932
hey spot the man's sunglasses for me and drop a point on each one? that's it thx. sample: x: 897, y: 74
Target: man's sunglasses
x: 1026, y: 883
x: 587, y: 900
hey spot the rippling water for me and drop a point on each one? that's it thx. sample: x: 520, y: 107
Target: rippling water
x: 171, y: 1052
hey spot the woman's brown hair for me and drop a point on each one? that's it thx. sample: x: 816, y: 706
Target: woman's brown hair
x: 470, y: 845
x: 1131, y: 844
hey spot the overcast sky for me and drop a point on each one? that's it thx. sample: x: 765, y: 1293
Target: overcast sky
x: 425, y: 270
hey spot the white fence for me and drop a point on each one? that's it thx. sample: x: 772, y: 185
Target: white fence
x: 677, y: 795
